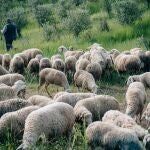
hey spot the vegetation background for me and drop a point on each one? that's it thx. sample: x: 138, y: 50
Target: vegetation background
x: 47, y: 24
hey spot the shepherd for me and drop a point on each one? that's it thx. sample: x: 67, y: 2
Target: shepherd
x: 10, y: 33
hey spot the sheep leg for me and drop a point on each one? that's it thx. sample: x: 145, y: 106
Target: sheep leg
x: 46, y: 88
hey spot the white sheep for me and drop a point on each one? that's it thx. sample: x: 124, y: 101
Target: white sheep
x: 39, y: 100
x: 72, y: 98
x: 58, y: 64
x: 143, y: 78
x: 45, y: 63
x: 12, y: 105
x: 81, y: 64
x: 52, y: 76
x: 14, y: 122
x: 70, y: 63
x: 52, y: 120
x: 135, y: 99
x: 122, y: 120
x: 17, y: 90
x: 6, y: 61
x: 24, y: 57
x: 57, y: 56
x: 33, y: 66
x: 85, y: 80
x: 10, y: 79
x: 93, y: 108
x: 58, y: 94
x: 103, y: 135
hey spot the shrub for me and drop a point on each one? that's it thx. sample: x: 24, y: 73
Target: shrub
x: 18, y: 15
x: 43, y: 14
x: 78, y: 21
x: 34, y: 3
x: 78, y: 2
x: 127, y: 11
x: 107, y: 5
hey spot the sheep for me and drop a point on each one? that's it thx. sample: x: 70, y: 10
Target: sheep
x: 31, y: 53
x: 17, y: 65
x: 93, y: 108
x: 1, y: 58
x: 146, y: 142
x: 44, y: 63
x: 72, y: 98
x: 86, y: 55
x: 85, y: 80
x: 110, y: 137
x: 81, y: 64
x: 24, y: 57
x: 68, y: 53
x: 58, y: 94
x: 39, y: 57
x: 122, y: 120
x: 12, y: 105
x: 39, y: 100
x: 58, y: 64
x: 143, y: 78
x: 52, y: 120
x: 3, y: 71
x: 33, y: 66
x: 52, y: 76
x: 135, y: 99
x: 10, y: 79
x: 17, y: 90
x: 14, y: 122
x: 57, y: 56
x: 70, y: 63
x: 95, y: 69
x: 6, y: 61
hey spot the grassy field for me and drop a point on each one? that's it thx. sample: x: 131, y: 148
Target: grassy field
x: 119, y: 37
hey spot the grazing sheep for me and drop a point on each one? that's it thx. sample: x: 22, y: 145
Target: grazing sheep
x: 57, y: 56
x: 52, y: 76
x: 33, y: 66
x: 6, y: 61
x: 52, y: 120
x: 81, y: 64
x: 31, y: 53
x: 122, y: 120
x: 12, y: 105
x: 146, y: 142
x: 39, y: 100
x: 95, y: 69
x: 135, y: 99
x: 24, y: 57
x: 17, y: 65
x: 44, y: 63
x: 114, y: 53
x: 85, y: 80
x: 68, y: 53
x: 93, y: 109
x: 58, y: 64
x: 1, y: 58
x: 70, y: 63
x: 73, y: 98
x: 17, y: 90
x: 10, y: 79
x: 143, y: 78
x: 14, y: 122
x: 58, y: 94
x: 39, y: 57
x: 3, y: 71
x: 86, y: 55
x: 103, y: 135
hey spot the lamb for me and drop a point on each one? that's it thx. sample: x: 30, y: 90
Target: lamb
x: 33, y: 66
x: 52, y: 76
x: 6, y: 61
x: 110, y: 137
x: 24, y: 57
x: 143, y: 78
x: 3, y: 71
x: 95, y: 69
x: 122, y: 120
x: 70, y: 63
x: 93, y: 109
x: 85, y: 80
x: 135, y: 99
x: 44, y: 63
x: 12, y: 105
x: 73, y: 98
x: 17, y: 65
x: 39, y: 100
x: 10, y: 79
x: 17, y: 90
x: 14, y: 122
x: 81, y: 64
x: 31, y: 53
x: 58, y: 64
x: 52, y: 120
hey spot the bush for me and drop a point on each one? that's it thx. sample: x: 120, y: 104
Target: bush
x: 43, y: 14
x: 34, y: 3
x: 127, y: 11
x: 49, y: 31
x: 78, y: 2
x: 107, y: 5
x: 18, y: 15
x: 78, y: 21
